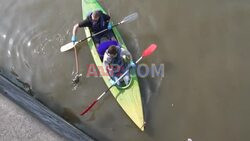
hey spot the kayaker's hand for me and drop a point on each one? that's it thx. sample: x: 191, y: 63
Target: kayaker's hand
x: 132, y: 64
x: 126, y: 58
x: 73, y: 39
x: 112, y: 82
x: 109, y: 26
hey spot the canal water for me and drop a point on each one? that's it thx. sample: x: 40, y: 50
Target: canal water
x: 203, y: 45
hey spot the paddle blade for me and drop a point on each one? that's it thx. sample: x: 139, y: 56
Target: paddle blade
x: 149, y: 50
x: 130, y: 18
x: 87, y: 109
x: 68, y: 46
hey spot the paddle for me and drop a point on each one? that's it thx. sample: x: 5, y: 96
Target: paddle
x: 127, y: 19
x: 76, y: 79
x: 145, y: 53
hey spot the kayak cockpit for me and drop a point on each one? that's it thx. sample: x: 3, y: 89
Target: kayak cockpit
x: 101, y: 49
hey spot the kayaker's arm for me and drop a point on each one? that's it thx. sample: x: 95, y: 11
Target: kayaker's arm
x: 81, y: 24
x: 107, y: 63
x: 126, y: 53
x: 76, y: 26
x: 84, y: 23
x: 106, y: 17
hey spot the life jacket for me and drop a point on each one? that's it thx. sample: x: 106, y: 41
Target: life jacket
x: 99, y: 25
x: 117, y: 63
x: 118, y: 59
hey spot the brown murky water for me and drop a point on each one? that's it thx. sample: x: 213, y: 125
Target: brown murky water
x: 204, y: 46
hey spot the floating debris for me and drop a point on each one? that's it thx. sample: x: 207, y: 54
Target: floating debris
x: 4, y: 36
x: 29, y: 43
x: 11, y: 41
x: 9, y: 53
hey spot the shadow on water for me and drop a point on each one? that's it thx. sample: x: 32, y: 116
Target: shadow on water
x: 15, y: 90
x: 66, y: 113
x: 151, y: 93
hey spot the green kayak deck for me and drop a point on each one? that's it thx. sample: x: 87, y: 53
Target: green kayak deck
x: 128, y: 98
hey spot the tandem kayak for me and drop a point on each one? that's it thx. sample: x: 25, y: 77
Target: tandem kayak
x: 129, y: 97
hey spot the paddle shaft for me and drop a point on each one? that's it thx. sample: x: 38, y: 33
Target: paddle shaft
x: 90, y: 106
x: 118, y: 80
x: 127, y: 19
x: 76, y: 60
x: 99, y: 32
x: 75, y: 50
x: 145, y: 53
